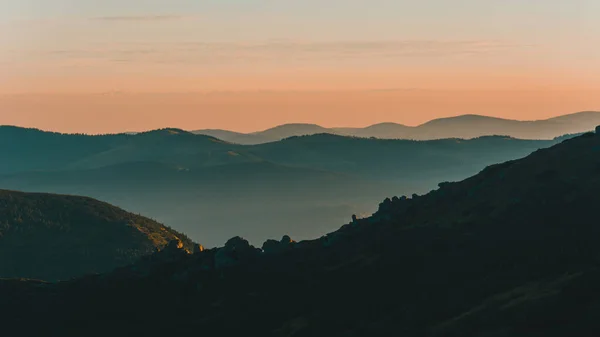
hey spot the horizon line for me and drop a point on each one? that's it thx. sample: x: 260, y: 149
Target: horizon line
x: 298, y: 123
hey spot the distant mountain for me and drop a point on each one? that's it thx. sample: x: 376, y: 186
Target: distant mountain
x: 382, y: 131
x: 511, y: 251
x: 464, y: 127
x: 235, y: 137
x: 270, y: 135
x: 469, y: 126
x: 290, y: 130
x: 298, y: 186
x: 56, y: 237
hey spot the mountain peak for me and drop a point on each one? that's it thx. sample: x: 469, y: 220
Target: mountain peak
x: 294, y: 127
x: 465, y: 118
x: 166, y: 131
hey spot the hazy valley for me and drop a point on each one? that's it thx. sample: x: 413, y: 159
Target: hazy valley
x: 212, y: 190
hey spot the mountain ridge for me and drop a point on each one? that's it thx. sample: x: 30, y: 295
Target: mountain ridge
x: 526, y: 129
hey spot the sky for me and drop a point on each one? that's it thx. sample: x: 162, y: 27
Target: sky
x: 245, y: 65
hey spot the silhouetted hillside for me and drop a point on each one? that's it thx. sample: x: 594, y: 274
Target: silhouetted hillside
x: 53, y: 237
x: 511, y: 251
x: 463, y: 127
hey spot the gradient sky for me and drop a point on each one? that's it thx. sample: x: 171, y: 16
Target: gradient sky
x: 107, y: 66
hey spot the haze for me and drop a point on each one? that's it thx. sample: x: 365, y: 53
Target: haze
x: 339, y: 63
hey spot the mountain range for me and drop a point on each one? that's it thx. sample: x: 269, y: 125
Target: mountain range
x: 464, y: 126
x: 510, y: 251
x: 212, y: 189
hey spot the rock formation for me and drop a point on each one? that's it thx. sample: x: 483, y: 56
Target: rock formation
x: 236, y: 250
x: 274, y: 246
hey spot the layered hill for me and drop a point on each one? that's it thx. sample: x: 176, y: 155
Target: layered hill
x: 36, y: 150
x: 397, y: 160
x: 30, y: 150
x: 511, y: 251
x: 56, y: 237
x: 300, y: 186
x: 464, y: 126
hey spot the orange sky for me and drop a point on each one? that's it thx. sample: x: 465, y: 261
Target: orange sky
x: 339, y: 63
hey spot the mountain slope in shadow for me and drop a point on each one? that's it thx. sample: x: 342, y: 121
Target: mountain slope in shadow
x: 54, y: 237
x: 511, y: 251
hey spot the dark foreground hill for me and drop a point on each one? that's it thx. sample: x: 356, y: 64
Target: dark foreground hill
x: 52, y: 237
x: 512, y: 251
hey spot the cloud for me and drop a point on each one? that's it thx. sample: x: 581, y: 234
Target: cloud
x: 146, y: 18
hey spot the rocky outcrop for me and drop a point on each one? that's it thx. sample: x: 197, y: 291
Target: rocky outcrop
x: 171, y: 252
x: 274, y: 246
x: 197, y: 249
x: 236, y: 250
x: 174, y: 245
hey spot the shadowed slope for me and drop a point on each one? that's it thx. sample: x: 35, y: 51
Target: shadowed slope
x: 51, y: 237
